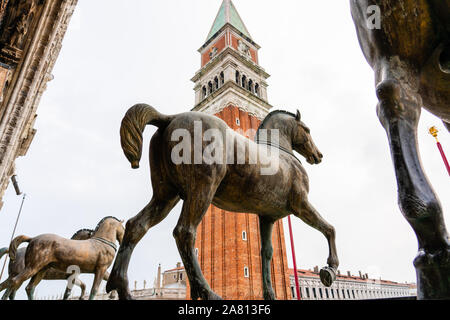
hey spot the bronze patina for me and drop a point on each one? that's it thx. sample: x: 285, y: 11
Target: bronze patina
x: 228, y: 184
x: 16, y: 266
x: 49, y: 251
x: 409, y: 51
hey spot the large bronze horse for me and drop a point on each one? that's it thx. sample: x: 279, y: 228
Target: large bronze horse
x: 16, y: 266
x: 224, y: 182
x: 93, y: 255
x: 409, y: 51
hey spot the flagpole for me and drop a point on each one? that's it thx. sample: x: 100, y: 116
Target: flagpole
x: 297, y: 287
x: 14, y: 231
x: 433, y: 131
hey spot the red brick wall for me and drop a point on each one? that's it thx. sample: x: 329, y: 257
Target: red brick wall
x: 222, y: 252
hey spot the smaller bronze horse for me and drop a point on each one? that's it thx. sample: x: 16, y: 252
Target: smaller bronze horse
x: 46, y: 251
x: 225, y: 183
x: 17, y: 265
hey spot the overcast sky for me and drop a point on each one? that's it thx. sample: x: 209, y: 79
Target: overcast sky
x: 118, y: 53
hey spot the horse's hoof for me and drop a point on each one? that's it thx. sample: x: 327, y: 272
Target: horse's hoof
x: 327, y: 276
x: 125, y: 296
x: 269, y: 296
x: 204, y: 295
x: 213, y: 296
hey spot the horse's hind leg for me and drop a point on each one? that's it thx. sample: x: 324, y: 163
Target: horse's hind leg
x: 78, y: 283
x: 135, y: 229
x: 12, y: 295
x: 34, y: 282
x: 310, y: 216
x: 5, y: 285
x: 17, y: 281
x: 194, y: 208
x: 266, y: 227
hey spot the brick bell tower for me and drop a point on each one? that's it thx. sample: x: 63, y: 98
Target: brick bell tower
x: 232, y: 86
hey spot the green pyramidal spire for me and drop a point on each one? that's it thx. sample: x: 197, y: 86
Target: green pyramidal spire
x: 228, y: 14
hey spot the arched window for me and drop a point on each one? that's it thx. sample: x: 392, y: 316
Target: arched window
x: 204, y: 92
x: 222, y: 78
x: 216, y: 83
x: 244, y: 82
x: 210, y: 87
x: 257, y: 89
x: 238, y: 78
x: 250, y: 85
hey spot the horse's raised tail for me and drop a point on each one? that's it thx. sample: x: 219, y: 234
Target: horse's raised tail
x: 132, y: 127
x: 3, y: 251
x: 15, y: 243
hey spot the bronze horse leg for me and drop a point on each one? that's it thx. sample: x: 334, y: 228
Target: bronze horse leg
x: 135, y: 229
x: 185, y: 232
x: 99, y: 273
x: 399, y: 110
x: 308, y: 214
x: 265, y: 228
x: 80, y: 284
x: 34, y: 282
x: 16, y: 282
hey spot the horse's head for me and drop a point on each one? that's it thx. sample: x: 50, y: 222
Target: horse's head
x: 110, y: 228
x: 303, y: 143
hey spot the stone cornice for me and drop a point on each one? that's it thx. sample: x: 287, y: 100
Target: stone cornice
x: 222, y: 56
x: 253, y: 105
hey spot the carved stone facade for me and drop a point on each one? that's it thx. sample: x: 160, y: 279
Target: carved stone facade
x: 31, y: 33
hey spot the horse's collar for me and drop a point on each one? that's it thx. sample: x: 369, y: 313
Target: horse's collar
x: 279, y: 147
x: 109, y: 243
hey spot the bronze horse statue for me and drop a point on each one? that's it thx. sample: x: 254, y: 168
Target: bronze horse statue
x: 224, y: 182
x: 93, y: 255
x: 17, y: 265
x: 409, y: 51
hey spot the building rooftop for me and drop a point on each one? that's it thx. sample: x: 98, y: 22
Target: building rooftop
x: 362, y: 278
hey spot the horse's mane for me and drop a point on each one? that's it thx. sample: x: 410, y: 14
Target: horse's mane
x: 82, y: 230
x: 101, y: 221
x: 270, y: 115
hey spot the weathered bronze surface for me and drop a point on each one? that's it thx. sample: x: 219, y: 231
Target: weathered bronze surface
x: 16, y: 266
x: 410, y: 54
x: 226, y: 184
x: 49, y: 255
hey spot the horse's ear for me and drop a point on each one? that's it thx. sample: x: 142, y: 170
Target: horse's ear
x: 298, y: 116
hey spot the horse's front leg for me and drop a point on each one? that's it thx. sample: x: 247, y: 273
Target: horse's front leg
x: 399, y: 111
x: 265, y: 228
x: 97, y: 280
x: 308, y: 214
